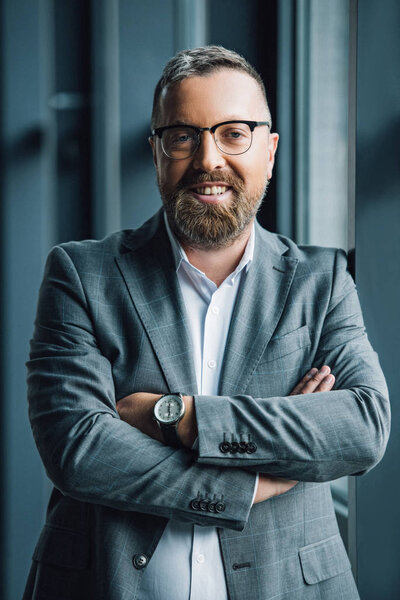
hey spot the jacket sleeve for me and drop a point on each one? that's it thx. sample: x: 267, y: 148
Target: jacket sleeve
x: 89, y: 453
x: 311, y: 437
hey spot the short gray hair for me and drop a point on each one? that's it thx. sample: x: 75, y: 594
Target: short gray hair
x: 198, y: 62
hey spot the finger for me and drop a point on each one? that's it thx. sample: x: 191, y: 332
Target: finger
x: 304, y: 381
x: 326, y: 384
x: 316, y: 380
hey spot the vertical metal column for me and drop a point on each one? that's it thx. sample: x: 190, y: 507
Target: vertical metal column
x: 105, y: 122
x: 302, y: 102
x: 191, y: 23
x: 351, y: 235
x: 285, y: 162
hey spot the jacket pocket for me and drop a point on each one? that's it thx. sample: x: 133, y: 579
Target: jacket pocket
x: 62, y: 548
x: 62, y: 558
x: 280, y: 346
x: 324, y: 559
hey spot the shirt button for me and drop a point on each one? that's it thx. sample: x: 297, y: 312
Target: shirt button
x: 212, y: 364
x: 215, y: 310
x: 200, y: 558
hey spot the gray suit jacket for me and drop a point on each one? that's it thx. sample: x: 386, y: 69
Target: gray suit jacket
x: 111, y: 321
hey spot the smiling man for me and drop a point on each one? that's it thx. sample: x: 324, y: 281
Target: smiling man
x: 180, y: 384
x: 213, y: 178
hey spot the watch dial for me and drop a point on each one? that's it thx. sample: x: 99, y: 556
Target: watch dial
x: 169, y: 409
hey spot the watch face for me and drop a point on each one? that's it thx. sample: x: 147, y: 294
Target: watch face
x: 169, y: 409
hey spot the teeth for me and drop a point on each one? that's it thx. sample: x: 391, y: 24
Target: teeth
x: 215, y: 190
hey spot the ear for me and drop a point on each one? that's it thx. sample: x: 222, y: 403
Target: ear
x: 272, y: 147
x: 154, y: 150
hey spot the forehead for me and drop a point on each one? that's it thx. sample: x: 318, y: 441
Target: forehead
x: 209, y: 99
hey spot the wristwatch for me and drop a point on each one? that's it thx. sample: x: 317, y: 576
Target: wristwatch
x: 168, y: 411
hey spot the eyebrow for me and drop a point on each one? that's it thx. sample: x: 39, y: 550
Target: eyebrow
x: 185, y: 123
x: 178, y: 122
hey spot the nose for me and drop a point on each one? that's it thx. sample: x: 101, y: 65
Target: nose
x: 207, y: 156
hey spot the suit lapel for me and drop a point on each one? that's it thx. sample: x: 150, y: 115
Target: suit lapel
x: 259, y: 305
x: 150, y: 276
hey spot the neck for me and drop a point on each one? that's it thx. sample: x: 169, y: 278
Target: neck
x: 218, y: 263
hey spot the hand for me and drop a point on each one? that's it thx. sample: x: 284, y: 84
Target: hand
x: 271, y: 486
x: 315, y: 380
x: 137, y: 410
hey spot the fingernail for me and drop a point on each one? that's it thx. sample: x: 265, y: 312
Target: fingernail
x: 312, y: 372
x: 329, y: 379
x: 324, y: 370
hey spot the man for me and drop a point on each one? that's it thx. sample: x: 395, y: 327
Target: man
x: 173, y: 372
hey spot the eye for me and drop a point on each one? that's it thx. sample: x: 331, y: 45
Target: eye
x: 180, y: 137
x: 184, y: 137
x: 235, y: 134
x: 232, y: 134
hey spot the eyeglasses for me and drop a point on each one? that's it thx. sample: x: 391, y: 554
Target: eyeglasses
x: 231, y: 137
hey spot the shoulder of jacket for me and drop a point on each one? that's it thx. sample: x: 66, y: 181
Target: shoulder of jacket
x: 309, y: 257
x: 115, y: 244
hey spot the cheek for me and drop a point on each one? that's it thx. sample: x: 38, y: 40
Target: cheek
x: 255, y: 173
x: 170, y: 173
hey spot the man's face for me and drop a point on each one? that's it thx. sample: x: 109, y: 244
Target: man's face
x: 211, y: 221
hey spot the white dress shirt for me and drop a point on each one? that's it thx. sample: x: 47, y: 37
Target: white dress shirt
x: 187, y: 563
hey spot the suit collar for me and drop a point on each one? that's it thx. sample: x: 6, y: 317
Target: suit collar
x: 149, y: 273
x: 258, y: 309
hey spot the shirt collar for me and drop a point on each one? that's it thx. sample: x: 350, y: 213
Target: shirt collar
x: 178, y: 252
x: 180, y: 255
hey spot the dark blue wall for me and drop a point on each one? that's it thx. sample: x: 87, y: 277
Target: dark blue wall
x: 27, y: 221
x: 46, y: 187
x: 378, y: 279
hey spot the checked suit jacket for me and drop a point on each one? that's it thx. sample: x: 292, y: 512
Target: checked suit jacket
x: 111, y: 321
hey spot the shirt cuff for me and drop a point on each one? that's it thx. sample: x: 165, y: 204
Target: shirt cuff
x: 255, y: 488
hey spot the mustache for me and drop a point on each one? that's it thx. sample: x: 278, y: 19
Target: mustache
x: 193, y: 179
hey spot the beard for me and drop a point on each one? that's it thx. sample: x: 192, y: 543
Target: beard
x: 210, y: 226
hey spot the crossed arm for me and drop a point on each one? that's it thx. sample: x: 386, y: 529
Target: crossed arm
x: 137, y: 410
x: 92, y: 455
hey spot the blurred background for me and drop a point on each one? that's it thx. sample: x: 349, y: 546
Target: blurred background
x: 76, y: 85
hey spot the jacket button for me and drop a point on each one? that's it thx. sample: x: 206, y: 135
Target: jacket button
x: 211, y: 507
x: 225, y: 447
x: 203, y: 504
x: 234, y: 447
x: 195, y: 504
x: 251, y: 447
x: 242, y: 447
x: 219, y: 507
x: 140, y: 561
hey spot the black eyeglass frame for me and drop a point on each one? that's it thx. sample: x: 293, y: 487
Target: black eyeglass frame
x: 251, y: 124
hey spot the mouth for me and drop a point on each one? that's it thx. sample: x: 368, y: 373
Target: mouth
x: 211, y: 192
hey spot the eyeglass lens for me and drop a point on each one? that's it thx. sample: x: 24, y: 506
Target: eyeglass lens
x: 230, y: 138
